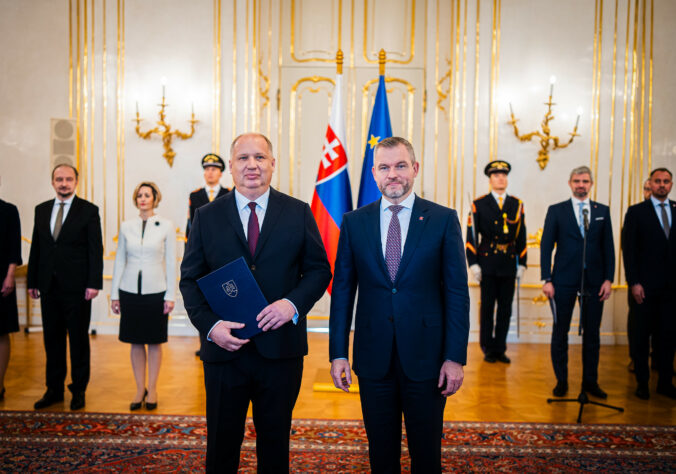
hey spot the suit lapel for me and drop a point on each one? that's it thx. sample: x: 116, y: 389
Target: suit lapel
x: 72, y: 216
x: 272, y: 214
x: 572, y: 217
x: 45, y: 217
x: 415, y: 231
x: 372, y: 232
x: 232, y: 215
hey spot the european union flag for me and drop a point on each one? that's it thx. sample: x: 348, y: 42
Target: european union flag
x: 379, y: 129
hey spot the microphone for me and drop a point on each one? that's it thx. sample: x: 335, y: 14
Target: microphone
x: 585, y: 215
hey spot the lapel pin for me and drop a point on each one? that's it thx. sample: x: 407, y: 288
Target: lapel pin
x: 420, y: 218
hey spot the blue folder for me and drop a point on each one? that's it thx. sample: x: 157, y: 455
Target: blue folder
x: 234, y: 295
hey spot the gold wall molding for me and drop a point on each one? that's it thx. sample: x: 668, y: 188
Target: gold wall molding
x: 370, y: 54
x: 318, y: 55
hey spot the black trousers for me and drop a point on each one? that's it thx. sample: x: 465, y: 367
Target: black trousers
x: 493, y: 336
x: 64, y: 315
x: 272, y: 387
x: 383, y: 401
x: 656, y: 316
x: 632, y: 327
x: 565, y: 299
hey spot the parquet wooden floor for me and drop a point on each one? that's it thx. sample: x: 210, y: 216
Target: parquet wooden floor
x: 491, y: 392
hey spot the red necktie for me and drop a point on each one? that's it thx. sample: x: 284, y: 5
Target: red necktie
x: 253, y: 230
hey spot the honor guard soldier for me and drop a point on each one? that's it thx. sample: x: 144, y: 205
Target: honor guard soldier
x: 497, y: 223
x: 213, y: 170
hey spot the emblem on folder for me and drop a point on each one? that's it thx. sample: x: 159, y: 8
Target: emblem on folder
x: 230, y: 288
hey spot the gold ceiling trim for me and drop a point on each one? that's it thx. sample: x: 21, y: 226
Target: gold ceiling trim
x: 330, y: 54
x: 292, y: 119
x: 612, y: 111
x: 388, y: 60
x: 476, y: 98
x: 216, y: 113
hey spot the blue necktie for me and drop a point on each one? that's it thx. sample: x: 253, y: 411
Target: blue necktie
x: 581, y: 205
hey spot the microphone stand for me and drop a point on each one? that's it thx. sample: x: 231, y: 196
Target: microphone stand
x: 582, y: 297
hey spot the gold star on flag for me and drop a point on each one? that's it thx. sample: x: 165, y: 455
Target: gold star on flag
x: 373, y: 141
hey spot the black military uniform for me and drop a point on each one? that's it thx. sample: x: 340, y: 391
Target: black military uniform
x: 501, y: 232
x: 199, y: 197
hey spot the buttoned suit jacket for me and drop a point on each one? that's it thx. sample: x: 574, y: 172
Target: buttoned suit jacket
x: 561, y: 228
x: 425, y: 310
x: 75, y: 259
x: 649, y: 257
x: 289, y: 262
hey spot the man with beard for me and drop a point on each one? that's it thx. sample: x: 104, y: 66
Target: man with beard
x: 649, y: 250
x: 65, y: 269
x: 565, y: 227
x: 405, y: 256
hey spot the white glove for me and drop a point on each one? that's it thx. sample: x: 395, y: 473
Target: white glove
x: 520, y: 271
x: 476, y: 271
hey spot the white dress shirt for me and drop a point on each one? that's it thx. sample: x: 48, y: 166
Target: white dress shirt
x: 215, y: 189
x: 152, y: 252
x: 658, y: 210
x: 576, y: 209
x: 55, y: 211
x: 404, y: 219
x: 497, y: 197
x: 245, y: 211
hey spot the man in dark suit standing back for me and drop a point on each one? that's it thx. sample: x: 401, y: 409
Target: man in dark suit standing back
x: 405, y: 256
x: 278, y: 237
x: 65, y: 269
x: 566, y: 224
x: 649, y: 250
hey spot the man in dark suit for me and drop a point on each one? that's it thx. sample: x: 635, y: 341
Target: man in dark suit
x: 405, y: 256
x: 649, y: 250
x: 65, y: 269
x: 213, y: 166
x: 498, y: 223
x: 566, y: 224
x: 279, y: 239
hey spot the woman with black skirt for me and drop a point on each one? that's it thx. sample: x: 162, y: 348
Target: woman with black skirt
x: 10, y: 258
x: 144, y: 288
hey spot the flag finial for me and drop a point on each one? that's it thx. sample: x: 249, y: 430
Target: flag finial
x: 339, y: 61
x: 382, y: 57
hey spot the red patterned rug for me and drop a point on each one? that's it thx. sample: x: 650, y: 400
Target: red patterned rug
x: 99, y: 442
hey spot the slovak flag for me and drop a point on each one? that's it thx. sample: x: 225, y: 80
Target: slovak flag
x: 379, y: 129
x: 332, y: 197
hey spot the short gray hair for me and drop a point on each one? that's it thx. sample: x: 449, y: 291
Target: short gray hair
x: 393, y: 142
x: 582, y: 170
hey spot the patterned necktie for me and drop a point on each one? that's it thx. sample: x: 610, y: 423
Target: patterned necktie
x: 500, y: 201
x: 59, y: 221
x: 211, y: 195
x: 581, y: 205
x: 665, y: 220
x: 393, y: 244
x: 253, y: 229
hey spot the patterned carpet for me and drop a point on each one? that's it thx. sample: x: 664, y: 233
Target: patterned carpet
x: 97, y: 442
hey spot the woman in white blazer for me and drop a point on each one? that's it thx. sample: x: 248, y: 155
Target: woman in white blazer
x: 144, y: 289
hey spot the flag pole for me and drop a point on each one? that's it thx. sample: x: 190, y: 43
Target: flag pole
x: 382, y: 57
x: 339, y: 61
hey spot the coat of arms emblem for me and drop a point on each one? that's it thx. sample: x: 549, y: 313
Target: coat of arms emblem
x: 230, y: 288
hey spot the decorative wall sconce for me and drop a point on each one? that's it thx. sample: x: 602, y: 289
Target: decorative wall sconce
x: 164, y: 130
x: 547, y: 140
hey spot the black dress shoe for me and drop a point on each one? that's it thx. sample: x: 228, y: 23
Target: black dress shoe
x: 490, y: 358
x: 151, y: 406
x: 133, y: 406
x: 561, y: 389
x: 667, y: 391
x: 2, y: 394
x: 49, y: 398
x: 643, y: 392
x: 78, y: 401
x: 502, y: 358
x: 595, y: 390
